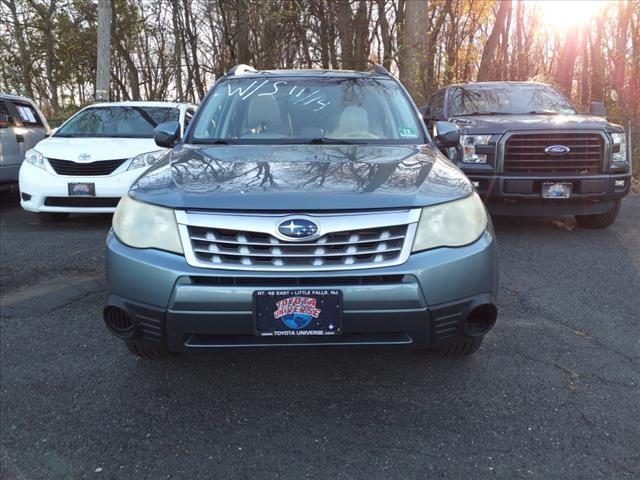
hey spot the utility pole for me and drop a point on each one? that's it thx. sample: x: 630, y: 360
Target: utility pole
x: 104, y: 50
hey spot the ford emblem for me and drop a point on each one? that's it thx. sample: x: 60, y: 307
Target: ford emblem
x: 296, y: 228
x: 557, y: 150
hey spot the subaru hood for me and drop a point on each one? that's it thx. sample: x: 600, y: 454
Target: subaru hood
x: 98, y: 148
x: 492, y: 124
x: 301, y: 178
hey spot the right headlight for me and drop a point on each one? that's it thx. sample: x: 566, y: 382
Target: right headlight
x: 452, y: 224
x: 143, y: 225
x: 35, y: 158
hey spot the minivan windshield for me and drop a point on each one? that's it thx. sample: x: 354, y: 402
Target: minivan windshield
x: 300, y: 110
x: 508, y: 99
x: 117, y: 121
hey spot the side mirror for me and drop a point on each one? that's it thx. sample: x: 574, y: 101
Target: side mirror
x: 166, y: 134
x: 447, y: 135
x: 53, y: 130
x: 425, y: 111
x: 597, y: 109
x: 4, y: 120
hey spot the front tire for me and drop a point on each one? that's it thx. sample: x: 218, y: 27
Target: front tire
x: 52, y: 217
x: 599, y: 220
x: 148, y: 351
x: 462, y: 347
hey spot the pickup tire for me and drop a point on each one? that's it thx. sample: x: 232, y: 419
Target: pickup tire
x: 52, y: 217
x: 599, y: 220
x: 460, y: 348
x: 147, y: 351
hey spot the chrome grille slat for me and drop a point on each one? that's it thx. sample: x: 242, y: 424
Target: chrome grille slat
x: 267, y: 244
x: 524, y: 153
x: 248, y: 242
x: 298, y: 255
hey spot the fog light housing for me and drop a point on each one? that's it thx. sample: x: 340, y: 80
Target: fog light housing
x: 619, y: 183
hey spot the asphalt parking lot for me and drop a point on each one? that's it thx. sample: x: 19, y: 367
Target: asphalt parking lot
x: 554, y: 393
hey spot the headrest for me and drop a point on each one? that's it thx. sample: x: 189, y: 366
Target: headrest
x: 264, y: 111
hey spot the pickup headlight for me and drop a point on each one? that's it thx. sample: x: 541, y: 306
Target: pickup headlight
x: 620, y: 139
x: 452, y: 224
x: 142, y: 225
x: 147, y: 159
x: 469, y: 143
x: 35, y: 158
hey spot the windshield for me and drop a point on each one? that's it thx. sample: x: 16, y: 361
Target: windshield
x: 125, y: 121
x: 307, y: 110
x: 508, y: 99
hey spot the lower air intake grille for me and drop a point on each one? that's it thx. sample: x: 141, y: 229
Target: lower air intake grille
x: 82, y: 202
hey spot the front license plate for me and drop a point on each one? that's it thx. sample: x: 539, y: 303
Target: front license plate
x: 297, y: 312
x: 556, y: 190
x: 82, y: 189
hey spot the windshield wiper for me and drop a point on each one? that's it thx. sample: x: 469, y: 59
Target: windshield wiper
x: 542, y: 112
x: 473, y: 114
x: 216, y: 141
x: 329, y: 141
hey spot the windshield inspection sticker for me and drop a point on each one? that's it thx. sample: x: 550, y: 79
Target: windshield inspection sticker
x: 406, y: 132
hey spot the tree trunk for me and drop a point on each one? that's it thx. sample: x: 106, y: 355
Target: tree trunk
x: 346, y: 32
x: 487, y: 69
x: 597, y: 63
x: 567, y: 61
x: 411, y: 58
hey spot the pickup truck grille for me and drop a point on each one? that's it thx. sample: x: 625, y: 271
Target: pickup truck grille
x: 218, y: 245
x: 68, y: 167
x: 524, y: 153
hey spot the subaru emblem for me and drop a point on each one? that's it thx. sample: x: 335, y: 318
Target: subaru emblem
x: 557, y: 150
x: 84, y: 157
x: 297, y: 228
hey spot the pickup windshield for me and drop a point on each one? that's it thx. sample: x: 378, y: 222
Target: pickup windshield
x: 508, y: 99
x: 307, y: 110
x: 120, y: 121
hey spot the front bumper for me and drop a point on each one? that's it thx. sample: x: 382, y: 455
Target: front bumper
x: 423, y: 302
x: 45, y: 191
x: 521, y: 195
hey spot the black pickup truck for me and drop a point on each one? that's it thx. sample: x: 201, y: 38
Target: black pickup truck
x: 529, y: 152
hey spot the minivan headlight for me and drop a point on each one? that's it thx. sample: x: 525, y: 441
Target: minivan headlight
x: 452, y: 224
x: 620, y: 139
x: 35, y: 158
x: 142, y: 225
x: 147, y: 159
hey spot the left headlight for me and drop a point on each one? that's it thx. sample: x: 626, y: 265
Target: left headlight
x: 620, y: 140
x: 35, y: 158
x: 469, y: 143
x: 147, y: 159
x: 142, y: 225
x: 452, y: 224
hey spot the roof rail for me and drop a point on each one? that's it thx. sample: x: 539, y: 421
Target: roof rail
x: 240, y: 69
x: 379, y: 69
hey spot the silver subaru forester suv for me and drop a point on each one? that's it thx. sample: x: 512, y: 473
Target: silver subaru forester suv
x: 302, y: 208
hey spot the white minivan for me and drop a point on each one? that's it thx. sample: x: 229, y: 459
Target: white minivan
x: 88, y: 163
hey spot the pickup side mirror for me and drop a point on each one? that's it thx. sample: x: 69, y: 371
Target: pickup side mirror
x: 425, y: 111
x: 4, y: 120
x: 447, y: 135
x: 166, y: 134
x: 597, y: 109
